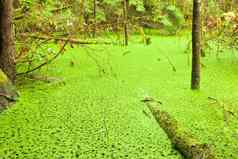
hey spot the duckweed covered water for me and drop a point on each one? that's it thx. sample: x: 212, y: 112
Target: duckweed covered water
x: 97, y: 113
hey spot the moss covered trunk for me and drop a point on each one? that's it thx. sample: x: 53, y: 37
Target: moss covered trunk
x: 8, y: 92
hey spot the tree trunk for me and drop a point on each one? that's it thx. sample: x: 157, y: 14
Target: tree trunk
x: 7, y: 49
x: 125, y: 9
x: 196, y: 42
x: 95, y: 17
x: 81, y: 17
x: 16, y: 3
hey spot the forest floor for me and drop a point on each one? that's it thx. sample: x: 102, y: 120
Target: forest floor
x: 96, y: 112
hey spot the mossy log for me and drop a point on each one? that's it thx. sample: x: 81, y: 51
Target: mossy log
x: 181, y: 139
x: 8, y: 92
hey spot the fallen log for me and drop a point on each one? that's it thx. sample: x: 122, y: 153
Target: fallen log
x: 181, y: 139
x: 70, y: 40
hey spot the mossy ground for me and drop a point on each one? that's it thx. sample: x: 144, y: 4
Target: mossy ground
x: 94, y: 116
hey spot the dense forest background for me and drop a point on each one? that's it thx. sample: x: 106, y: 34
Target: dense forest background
x: 36, y: 21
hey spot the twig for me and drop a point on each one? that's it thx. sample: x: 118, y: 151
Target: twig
x: 126, y: 52
x: 45, y: 63
x: 171, y: 64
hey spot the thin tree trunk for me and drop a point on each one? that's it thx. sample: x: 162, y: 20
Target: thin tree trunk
x: 205, y: 12
x: 196, y: 42
x: 81, y: 18
x: 7, y: 49
x: 95, y: 17
x: 16, y: 3
x: 204, y: 18
x: 125, y: 9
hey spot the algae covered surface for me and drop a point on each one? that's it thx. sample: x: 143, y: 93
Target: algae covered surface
x: 97, y: 113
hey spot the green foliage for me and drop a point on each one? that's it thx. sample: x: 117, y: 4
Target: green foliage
x: 175, y: 16
x: 167, y: 24
x: 172, y: 19
x: 139, y: 4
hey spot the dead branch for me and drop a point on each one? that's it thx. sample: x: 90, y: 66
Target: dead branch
x: 45, y: 63
x: 61, y: 9
x: 70, y: 40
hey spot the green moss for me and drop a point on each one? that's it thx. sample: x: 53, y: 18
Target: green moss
x: 102, y: 117
x: 3, y: 78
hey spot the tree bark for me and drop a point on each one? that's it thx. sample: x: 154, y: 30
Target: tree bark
x: 196, y: 44
x: 95, y: 17
x: 82, y: 12
x: 16, y: 3
x: 125, y: 10
x: 7, y: 49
